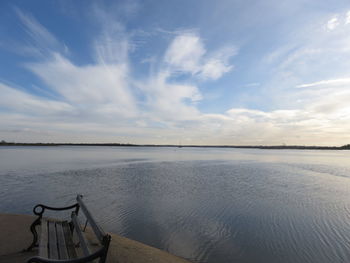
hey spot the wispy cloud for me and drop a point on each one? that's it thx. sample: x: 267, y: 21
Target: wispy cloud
x: 89, y: 88
x: 25, y: 103
x: 325, y: 83
x: 42, y: 41
x: 112, y: 45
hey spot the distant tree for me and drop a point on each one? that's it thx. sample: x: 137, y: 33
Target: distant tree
x: 3, y: 142
x: 347, y: 146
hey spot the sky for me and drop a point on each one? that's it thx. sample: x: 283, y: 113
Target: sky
x: 235, y: 72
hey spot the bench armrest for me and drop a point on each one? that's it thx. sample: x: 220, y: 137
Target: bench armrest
x: 42, y: 208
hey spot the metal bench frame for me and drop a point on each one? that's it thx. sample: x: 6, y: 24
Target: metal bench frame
x: 73, y: 225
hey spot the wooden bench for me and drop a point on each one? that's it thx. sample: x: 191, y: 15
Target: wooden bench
x: 63, y: 241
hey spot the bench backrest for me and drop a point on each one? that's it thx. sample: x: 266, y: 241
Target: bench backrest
x: 101, y: 236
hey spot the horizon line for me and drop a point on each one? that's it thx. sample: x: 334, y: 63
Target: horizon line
x: 282, y: 146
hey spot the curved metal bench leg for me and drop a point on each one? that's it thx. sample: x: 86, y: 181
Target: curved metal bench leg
x: 35, y: 234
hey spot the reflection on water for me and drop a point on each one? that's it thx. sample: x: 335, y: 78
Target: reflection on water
x: 207, y: 205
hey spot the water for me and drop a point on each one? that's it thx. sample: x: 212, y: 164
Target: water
x: 207, y: 205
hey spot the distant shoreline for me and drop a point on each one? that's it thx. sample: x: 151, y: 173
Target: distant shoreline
x: 272, y: 147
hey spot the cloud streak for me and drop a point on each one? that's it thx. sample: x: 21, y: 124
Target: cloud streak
x: 41, y: 39
x: 327, y: 83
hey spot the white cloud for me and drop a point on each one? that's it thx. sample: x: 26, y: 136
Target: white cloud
x: 187, y: 54
x: 347, y: 19
x: 323, y: 123
x: 100, y: 90
x: 101, y: 93
x: 214, y: 68
x: 23, y: 102
x: 170, y: 101
x: 96, y: 88
x: 98, y: 93
x: 333, y: 23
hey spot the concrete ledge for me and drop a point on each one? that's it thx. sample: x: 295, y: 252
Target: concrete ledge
x: 15, y: 236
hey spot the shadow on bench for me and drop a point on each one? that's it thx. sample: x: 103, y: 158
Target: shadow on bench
x: 63, y: 241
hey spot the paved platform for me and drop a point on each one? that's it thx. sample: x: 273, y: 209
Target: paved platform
x: 15, y: 236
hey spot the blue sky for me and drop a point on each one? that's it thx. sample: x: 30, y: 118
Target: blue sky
x: 179, y: 72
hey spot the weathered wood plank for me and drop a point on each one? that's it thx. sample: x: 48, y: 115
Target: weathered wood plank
x: 98, y: 231
x: 69, y: 241
x: 53, y: 249
x: 82, y: 238
x: 43, y: 245
x: 62, y: 248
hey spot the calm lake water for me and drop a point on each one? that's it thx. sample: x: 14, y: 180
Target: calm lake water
x: 207, y: 205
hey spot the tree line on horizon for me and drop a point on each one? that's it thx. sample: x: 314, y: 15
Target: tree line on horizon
x: 344, y: 147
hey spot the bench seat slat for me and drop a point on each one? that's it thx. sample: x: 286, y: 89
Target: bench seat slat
x: 69, y: 241
x: 53, y: 249
x: 43, y: 245
x: 61, y: 241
